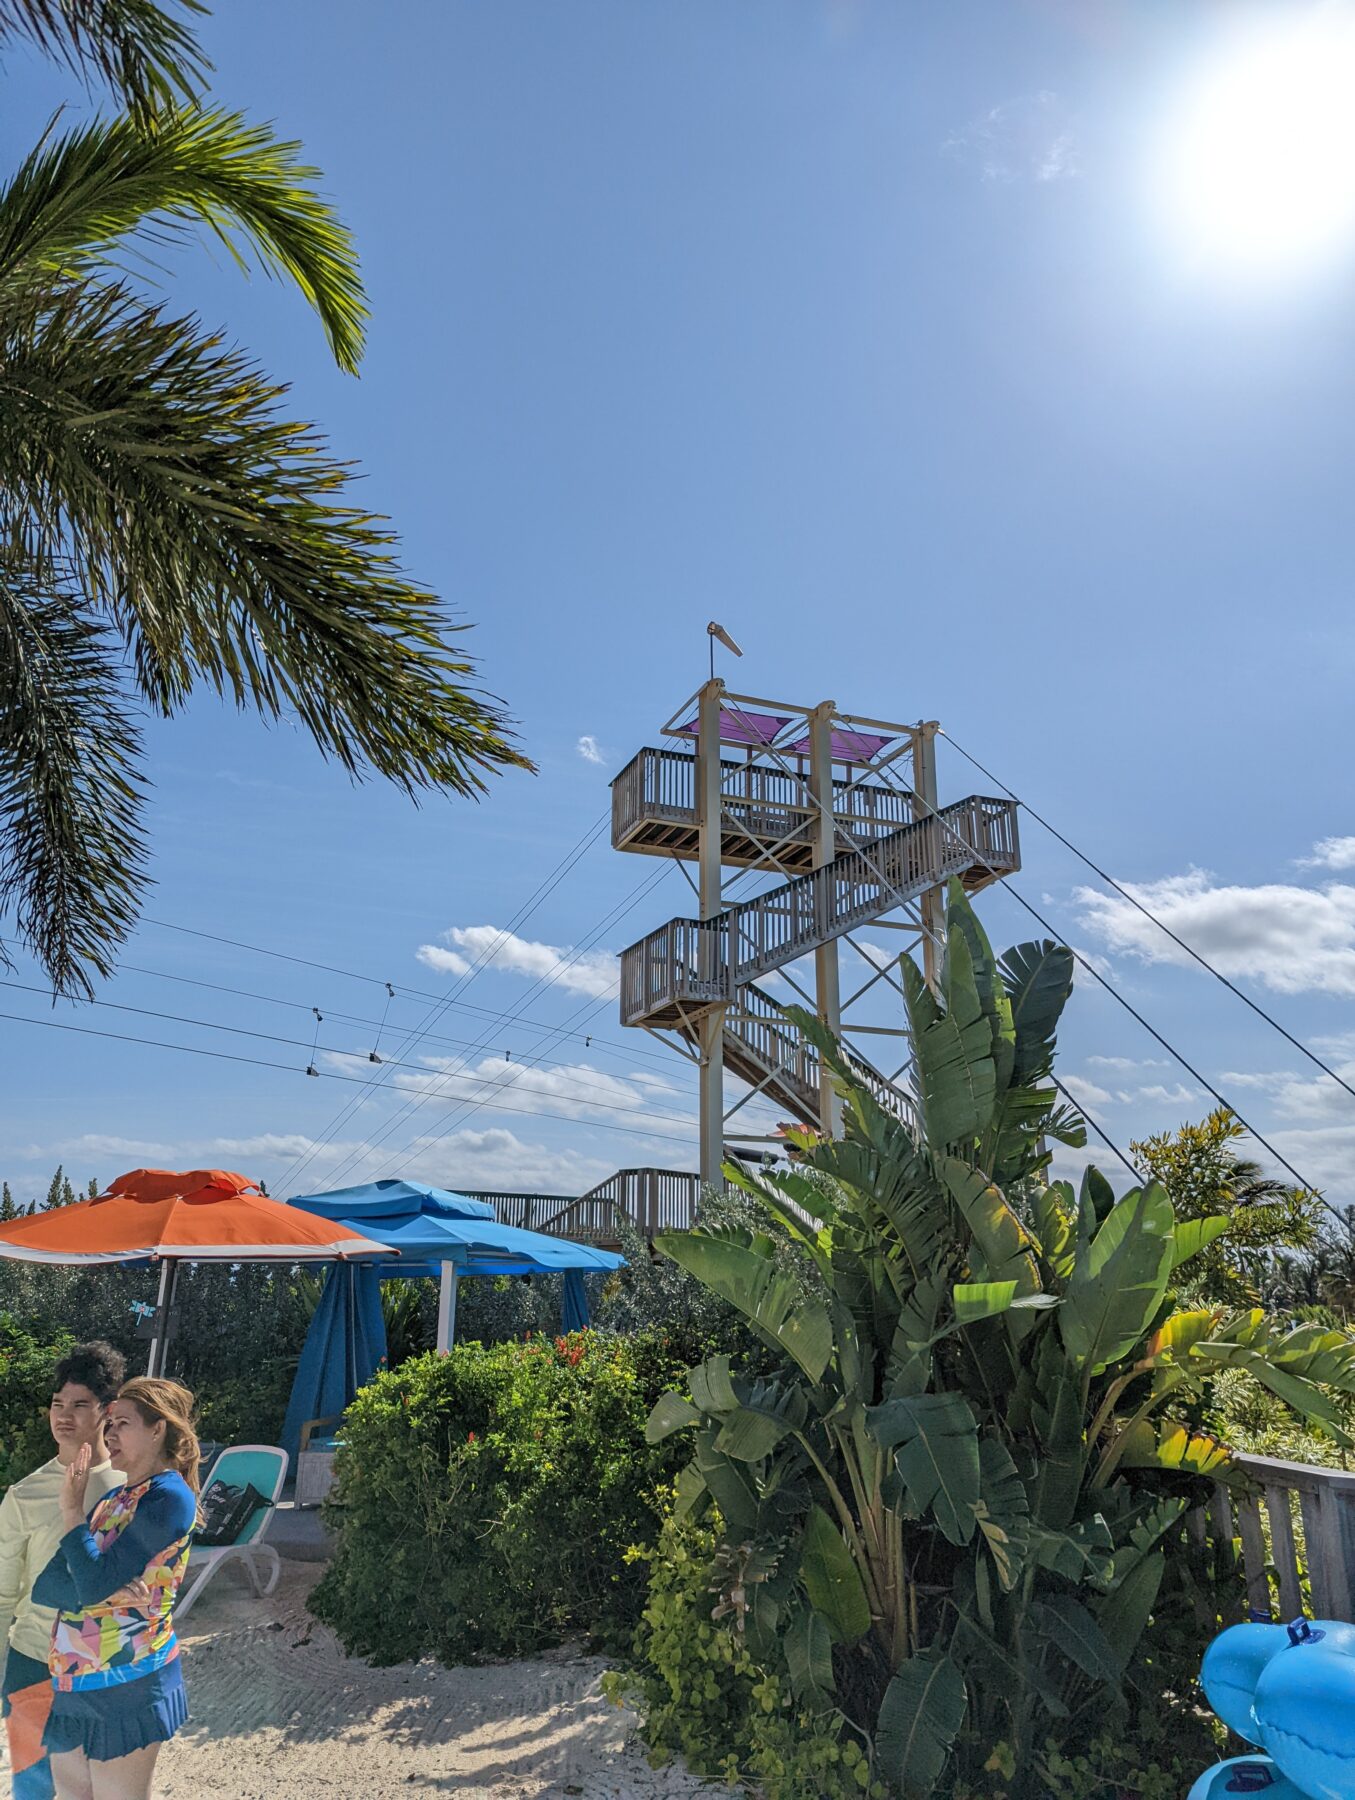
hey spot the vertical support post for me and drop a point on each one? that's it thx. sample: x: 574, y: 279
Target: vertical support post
x: 827, y: 988
x: 164, y: 1299
x: 931, y: 906
x: 710, y: 1030
x: 446, y: 1308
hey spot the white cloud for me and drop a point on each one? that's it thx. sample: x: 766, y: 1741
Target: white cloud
x: 1331, y: 853
x: 1292, y: 939
x: 1029, y: 138
x: 1086, y: 1092
x: 443, y: 962
x: 129, y: 1153
x: 1165, y: 1096
x: 591, y: 972
x: 590, y: 750
x: 1294, y: 1096
x: 1127, y: 1063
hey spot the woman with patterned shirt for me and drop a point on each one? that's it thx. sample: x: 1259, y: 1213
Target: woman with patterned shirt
x: 114, y: 1657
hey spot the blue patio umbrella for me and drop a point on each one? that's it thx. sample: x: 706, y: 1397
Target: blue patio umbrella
x: 447, y: 1235
x: 344, y: 1347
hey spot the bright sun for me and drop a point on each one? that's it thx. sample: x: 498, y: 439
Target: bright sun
x: 1259, y: 161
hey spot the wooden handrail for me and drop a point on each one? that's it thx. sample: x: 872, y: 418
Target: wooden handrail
x: 1310, y: 1512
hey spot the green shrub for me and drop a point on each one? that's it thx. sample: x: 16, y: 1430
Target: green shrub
x: 25, y: 1390
x: 485, y: 1499
x: 704, y: 1697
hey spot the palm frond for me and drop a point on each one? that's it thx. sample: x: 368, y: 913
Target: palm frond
x: 221, y: 537
x: 80, y: 194
x: 141, y: 50
x: 72, y: 856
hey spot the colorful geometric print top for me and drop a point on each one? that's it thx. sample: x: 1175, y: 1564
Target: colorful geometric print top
x: 143, y: 1531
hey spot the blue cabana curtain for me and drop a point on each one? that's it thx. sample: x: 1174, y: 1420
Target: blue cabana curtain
x: 344, y: 1347
x: 574, y: 1306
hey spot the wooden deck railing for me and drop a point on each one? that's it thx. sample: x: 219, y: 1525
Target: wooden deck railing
x: 653, y: 1199
x: 764, y: 801
x: 1307, y: 1515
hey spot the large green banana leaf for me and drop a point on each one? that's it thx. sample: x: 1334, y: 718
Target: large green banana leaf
x: 1002, y: 1513
x: 766, y: 1297
x: 920, y: 1718
x: 1038, y: 978
x: 1001, y: 1239
x: 1119, y: 1279
x: 832, y: 1580
x: 988, y: 983
x: 936, y: 1452
x: 954, y: 1054
x: 808, y: 1650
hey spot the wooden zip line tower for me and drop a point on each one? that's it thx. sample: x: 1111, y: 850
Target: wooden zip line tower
x: 839, y: 814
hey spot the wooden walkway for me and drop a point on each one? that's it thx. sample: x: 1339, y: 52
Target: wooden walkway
x: 654, y: 1200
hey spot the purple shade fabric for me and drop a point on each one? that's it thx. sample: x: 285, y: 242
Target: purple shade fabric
x: 739, y: 727
x: 847, y: 746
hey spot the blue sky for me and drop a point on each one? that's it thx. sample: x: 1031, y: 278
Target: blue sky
x: 864, y: 328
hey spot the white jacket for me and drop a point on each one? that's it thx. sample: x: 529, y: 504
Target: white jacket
x: 31, y: 1527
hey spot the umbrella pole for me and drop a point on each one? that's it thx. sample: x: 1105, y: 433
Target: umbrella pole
x: 446, y: 1307
x: 155, y: 1360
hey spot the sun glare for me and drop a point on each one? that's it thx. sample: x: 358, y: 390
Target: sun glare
x: 1259, y: 160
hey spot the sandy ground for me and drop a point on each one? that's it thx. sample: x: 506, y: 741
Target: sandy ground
x: 278, y: 1712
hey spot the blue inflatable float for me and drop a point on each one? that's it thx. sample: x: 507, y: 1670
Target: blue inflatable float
x: 1290, y: 1690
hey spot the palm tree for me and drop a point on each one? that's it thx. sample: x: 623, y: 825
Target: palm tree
x: 164, y: 525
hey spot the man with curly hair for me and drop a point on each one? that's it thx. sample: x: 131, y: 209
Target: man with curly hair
x: 31, y: 1527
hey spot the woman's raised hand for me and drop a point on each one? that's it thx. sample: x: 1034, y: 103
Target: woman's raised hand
x: 73, y: 1488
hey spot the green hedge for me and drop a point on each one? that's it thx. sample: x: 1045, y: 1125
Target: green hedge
x: 485, y: 1500
x: 25, y: 1390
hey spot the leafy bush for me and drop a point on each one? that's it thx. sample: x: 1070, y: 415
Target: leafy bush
x: 485, y: 1499
x: 708, y: 1701
x: 25, y: 1390
x: 948, y: 1511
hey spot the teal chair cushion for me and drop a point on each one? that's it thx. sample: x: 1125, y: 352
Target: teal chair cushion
x: 261, y: 1468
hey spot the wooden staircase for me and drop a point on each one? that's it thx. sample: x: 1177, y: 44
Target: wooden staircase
x: 767, y: 1050
x: 695, y: 963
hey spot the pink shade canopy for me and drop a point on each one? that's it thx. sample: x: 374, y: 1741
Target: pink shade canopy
x: 739, y: 727
x: 846, y: 746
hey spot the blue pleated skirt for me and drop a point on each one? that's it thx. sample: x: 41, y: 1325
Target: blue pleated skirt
x: 113, y: 1721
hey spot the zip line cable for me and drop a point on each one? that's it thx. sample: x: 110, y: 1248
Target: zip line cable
x: 257, y: 1062
x: 631, y: 901
x: 346, y: 1018
x: 313, y: 1045
x: 543, y: 889
x: 1180, y: 942
x: 1100, y: 1130
x: 1132, y: 1010
x: 412, y: 1106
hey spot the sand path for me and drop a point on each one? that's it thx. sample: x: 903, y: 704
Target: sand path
x: 280, y: 1713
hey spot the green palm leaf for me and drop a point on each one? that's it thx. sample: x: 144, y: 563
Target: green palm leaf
x: 139, y: 49
x: 75, y: 202
x: 72, y: 857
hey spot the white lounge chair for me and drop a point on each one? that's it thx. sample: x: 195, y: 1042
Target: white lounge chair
x: 265, y: 1467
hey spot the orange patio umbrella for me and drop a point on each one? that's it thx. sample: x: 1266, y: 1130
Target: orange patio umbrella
x: 164, y: 1217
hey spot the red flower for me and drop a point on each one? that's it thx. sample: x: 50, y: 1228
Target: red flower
x: 470, y: 1437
